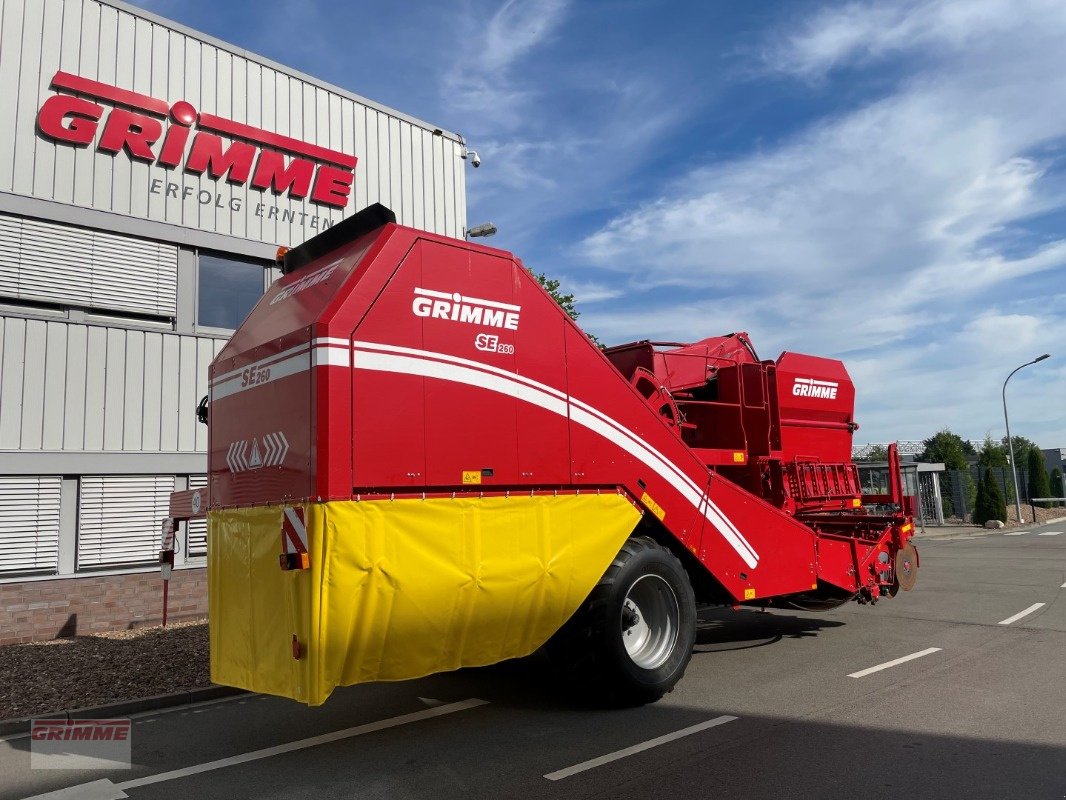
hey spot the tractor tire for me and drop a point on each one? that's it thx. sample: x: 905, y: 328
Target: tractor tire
x: 631, y: 640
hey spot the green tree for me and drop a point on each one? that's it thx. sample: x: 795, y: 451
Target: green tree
x: 998, y: 501
x: 1056, y: 483
x: 947, y: 448
x: 1039, y: 486
x: 981, y: 510
x: 952, y: 451
x: 551, y: 286
x: 566, y: 301
x: 969, y: 490
x: 990, y: 503
x: 1022, y: 446
x: 993, y: 453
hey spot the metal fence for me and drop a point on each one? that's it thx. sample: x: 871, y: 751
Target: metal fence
x: 947, y: 496
x: 960, y: 487
x: 921, y: 483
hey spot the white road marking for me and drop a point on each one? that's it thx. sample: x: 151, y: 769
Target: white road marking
x: 1016, y: 533
x: 106, y: 790
x: 1063, y: 586
x: 862, y: 673
x: 638, y: 748
x: 1020, y: 614
x: 1050, y: 533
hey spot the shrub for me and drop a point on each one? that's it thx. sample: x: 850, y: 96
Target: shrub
x: 989, y: 503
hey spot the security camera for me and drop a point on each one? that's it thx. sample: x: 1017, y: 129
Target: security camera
x: 475, y: 159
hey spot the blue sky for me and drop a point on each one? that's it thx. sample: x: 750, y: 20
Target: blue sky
x: 882, y: 182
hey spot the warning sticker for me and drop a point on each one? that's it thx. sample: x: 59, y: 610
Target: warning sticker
x: 652, y: 506
x: 471, y: 476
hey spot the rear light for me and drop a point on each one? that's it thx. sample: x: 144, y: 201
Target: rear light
x: 295, y: 561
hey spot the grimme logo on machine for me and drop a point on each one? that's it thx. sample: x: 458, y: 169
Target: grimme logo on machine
x: 455, y: 307
x: 809, y: 387
x: 323, y: 175
x: 306, y: 282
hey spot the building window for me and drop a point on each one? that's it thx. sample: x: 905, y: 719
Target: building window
x: 227, y: 289
x: 29, y: 524
x: 119, y: 517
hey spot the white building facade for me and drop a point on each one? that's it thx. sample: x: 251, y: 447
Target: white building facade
x: 148, y: 174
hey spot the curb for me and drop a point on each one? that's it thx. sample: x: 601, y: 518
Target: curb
x: 124, y: 708
x: 941, y: 532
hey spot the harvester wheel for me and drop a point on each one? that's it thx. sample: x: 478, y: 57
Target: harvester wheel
x: 907, y: 567
x: 632, y: 639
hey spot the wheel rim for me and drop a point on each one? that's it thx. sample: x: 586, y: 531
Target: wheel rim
x: 649, y: 621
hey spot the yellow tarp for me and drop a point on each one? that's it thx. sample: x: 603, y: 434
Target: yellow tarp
x: 401, y: 589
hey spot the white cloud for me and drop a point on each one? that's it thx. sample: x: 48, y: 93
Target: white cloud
x: 484, y: 82
x: 956, y: 381
x: 866, y: 32
x: 589, y: 292
x: 517, y: 27
x: 891, y: 226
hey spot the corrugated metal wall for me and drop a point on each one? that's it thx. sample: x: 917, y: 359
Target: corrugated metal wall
x: 65, y: 386
x: 403, y: 165
x: 121, y: 387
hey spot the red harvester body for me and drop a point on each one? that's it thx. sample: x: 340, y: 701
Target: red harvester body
x: 392, y: 363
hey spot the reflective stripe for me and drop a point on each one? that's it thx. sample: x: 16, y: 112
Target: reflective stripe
x: 327, y: 351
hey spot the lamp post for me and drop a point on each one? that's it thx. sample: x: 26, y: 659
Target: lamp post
x: 484, y: 229
x: 1010, y: 442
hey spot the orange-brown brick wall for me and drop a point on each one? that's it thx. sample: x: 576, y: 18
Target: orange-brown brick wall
x: 39, y: 610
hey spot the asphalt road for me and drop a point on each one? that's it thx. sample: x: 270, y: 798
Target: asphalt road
x: 769, y: 708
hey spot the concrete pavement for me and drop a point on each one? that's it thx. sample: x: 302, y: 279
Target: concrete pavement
x: 767, y: 709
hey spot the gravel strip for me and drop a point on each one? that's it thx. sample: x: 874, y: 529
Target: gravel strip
x: 86, y: 671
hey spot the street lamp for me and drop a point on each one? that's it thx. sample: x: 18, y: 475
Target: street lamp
x: 1010, y: 442
x: 484, y: 229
